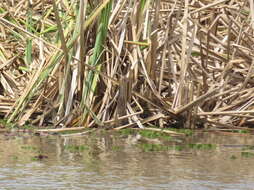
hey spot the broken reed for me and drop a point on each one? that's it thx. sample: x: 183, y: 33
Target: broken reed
x: 127, y: 63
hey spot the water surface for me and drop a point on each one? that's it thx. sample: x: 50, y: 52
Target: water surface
x: 109, y: 161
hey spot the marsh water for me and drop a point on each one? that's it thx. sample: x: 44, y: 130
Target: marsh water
x: 113, y: 161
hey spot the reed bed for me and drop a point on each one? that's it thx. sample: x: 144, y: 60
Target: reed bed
x: 125, y: 63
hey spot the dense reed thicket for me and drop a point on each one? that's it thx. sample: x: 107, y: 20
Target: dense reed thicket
x: 123, y: 63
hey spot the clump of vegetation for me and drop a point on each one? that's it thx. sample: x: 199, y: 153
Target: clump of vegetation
x: 201, y: 146
x: 155, y: 134
x: 128, y: 131
x: 14, y: 157
x: 76, y: 148
x: 233, y: 157
x: 241, y: 131
x: 146, y: 133
x: 147, y: 147
x: 187, y: 132
x: 248, y: 147
x: 29, y: 126
x: 125, y: 63
x: 178, y: 147
x: 116, y: 148
x: 247, y: 154
x: 30, y: 148
x: 34, y: 159
x: 5, y: 124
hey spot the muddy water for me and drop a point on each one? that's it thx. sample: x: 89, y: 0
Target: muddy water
x: 109, y: 161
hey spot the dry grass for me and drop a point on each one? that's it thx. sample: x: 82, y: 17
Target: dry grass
x: 127, y: 63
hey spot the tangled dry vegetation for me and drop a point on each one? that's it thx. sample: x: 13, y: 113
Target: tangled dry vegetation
x: 124, y: 63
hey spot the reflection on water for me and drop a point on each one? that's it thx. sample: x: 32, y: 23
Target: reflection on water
x: 107, y: 161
